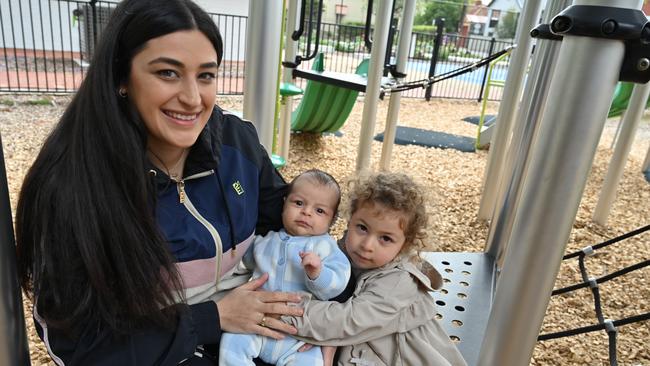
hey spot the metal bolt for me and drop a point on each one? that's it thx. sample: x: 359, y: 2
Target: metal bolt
x: 561, y: 24
x: 643, y: 64
x: 609, y: 26
x: 645, y: 33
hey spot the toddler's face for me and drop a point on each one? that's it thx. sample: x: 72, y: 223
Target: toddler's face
x: 375, y: 235
x: 309, y: 208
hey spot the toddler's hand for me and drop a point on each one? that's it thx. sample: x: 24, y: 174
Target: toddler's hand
x: 311, y: 263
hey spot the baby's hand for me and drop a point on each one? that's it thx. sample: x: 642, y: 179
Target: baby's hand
x: 311, y: 263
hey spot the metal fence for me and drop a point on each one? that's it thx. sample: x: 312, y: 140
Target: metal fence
x: 344, y: 48
x: 47, y: 46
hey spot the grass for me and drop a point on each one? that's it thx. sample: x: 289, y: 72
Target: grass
x: 7, y: 102
x: 40, y: 101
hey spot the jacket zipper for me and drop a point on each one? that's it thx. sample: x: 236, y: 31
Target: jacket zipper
x: 181, y: 190
x: 180, y: 186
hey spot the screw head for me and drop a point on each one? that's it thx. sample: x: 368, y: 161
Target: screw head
x: 609, y: 26
x: 643, y: 64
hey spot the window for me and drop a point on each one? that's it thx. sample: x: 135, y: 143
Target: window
x: 494, y: 18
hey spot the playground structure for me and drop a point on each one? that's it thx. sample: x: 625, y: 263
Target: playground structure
x: 514, y: 273
x: 517, y: 297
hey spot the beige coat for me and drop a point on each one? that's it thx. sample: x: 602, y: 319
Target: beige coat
x: 389, y: 320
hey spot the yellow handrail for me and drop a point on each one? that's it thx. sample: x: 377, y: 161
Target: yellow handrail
x: 486, y: 94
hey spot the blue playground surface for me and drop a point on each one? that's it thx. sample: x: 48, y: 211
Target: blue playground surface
x: 475, y: 77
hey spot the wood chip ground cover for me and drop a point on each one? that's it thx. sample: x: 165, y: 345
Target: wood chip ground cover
x: 453, y: 182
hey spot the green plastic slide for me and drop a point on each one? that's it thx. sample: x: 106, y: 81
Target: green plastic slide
x: 324, y: 107
x: 621, y: 99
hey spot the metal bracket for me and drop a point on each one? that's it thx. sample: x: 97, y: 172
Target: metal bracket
x: 609, y: 326
x: 543, y: 31
x: 588, y: 251
x: 592, y: 282
x: 628, y: 25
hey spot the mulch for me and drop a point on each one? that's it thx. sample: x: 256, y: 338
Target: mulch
x: 453, y: 182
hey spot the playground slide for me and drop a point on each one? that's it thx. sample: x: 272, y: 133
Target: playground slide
x: 324, y: 107
x: 621, y: 98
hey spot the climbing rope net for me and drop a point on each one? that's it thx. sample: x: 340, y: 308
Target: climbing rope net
x: 603, y: 324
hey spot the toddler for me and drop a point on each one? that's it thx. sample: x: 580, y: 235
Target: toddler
x: 390, y: 318
x: 300, y: 257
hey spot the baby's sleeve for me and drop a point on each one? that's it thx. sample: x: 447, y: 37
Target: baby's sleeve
x: 334, y: 275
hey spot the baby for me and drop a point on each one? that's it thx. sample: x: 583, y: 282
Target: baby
x: 390, y: 318
x: 301, y: 257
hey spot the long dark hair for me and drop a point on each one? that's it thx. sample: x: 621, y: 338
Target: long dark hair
x: 89, y: 249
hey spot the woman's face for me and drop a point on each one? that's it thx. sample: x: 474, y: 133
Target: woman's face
x: 173, y: 86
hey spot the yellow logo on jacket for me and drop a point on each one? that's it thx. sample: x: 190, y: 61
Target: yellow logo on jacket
x: 238, y: 188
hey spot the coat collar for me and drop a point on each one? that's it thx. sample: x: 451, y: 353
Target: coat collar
x: 432, y: 280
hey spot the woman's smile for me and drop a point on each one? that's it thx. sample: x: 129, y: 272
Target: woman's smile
x: 182, y: 118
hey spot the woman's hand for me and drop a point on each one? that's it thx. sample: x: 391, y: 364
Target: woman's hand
x: 245, y: 310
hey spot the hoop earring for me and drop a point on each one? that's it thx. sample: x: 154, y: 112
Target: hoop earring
x: 122, y: 92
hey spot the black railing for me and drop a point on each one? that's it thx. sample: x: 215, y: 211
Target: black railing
x: 344, y: 48
x: 47, y: 46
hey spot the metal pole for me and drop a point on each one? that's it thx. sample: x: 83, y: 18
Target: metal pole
x: 373, y: 88
x: 263, y: 30
x: 631, y: 120
x: 286, y: 106
x: 14, y: 349
x: 440, y: 25
x: 404, y: 42
x: 526, y: 126
x: 508, y: 106
x: 558, y: 171
x: 93, y: 8
x: 618, y: 130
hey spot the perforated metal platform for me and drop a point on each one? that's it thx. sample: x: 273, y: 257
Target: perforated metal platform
x: 465, y: 298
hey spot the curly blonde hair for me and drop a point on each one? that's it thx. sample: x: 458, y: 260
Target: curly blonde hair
x: 397, y: 192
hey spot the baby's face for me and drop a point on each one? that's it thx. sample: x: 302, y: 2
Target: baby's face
x: 375, y: 236
x: 309, y: 208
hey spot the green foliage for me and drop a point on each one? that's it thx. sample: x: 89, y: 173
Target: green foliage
x: 41, y: 101
x: 508, y: 25
x: 7, y: 102
x: 430, y: 29
x: 448, y: 9
x: 354, y: 23
x: 347, y: 46
x: 446, y: 51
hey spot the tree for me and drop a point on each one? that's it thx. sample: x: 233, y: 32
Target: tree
x: 508, y: 25
x: 451, y: 10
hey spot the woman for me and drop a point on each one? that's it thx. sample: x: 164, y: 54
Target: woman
x: 143, y: 199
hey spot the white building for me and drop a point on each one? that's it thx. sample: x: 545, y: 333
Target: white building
x: 64, y: 27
